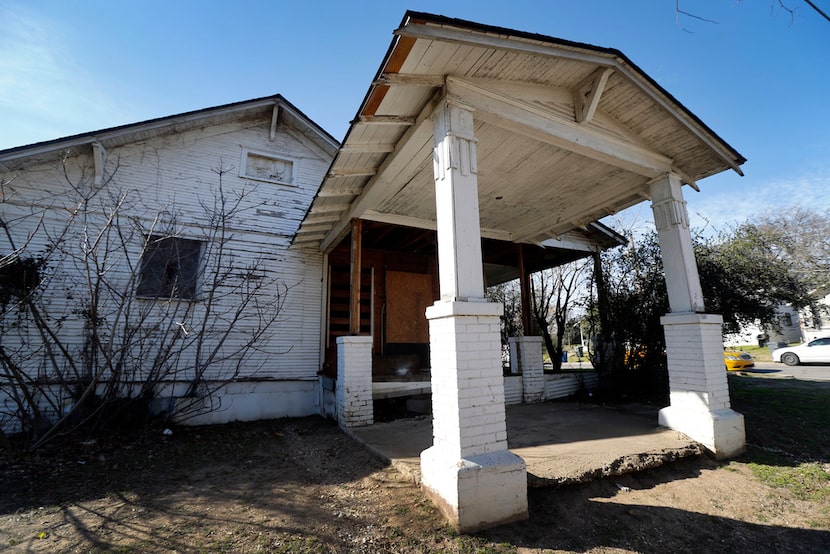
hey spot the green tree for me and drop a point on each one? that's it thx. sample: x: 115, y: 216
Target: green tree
x: 743, y: 276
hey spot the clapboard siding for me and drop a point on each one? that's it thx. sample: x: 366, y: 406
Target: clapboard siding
x: 566, y: 384
x: 178, y: 173
x: 513, y: 389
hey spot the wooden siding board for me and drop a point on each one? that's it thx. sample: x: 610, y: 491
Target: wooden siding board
x: 179, y: 170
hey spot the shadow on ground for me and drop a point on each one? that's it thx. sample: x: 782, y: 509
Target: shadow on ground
x: 599, y: 516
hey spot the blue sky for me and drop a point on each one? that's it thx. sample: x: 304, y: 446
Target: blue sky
x: 758, y: 77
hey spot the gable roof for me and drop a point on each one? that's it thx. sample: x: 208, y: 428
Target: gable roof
x: 267, y: 106
x: 567, y: 133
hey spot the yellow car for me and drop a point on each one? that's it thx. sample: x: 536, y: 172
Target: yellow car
x: 736, y: 360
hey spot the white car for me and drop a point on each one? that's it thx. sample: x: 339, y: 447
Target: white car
x: 815, y: 351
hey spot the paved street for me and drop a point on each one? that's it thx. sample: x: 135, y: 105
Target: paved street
x: 803, y: 372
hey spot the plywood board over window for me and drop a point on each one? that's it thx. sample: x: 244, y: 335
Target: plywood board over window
x: 263, y: 166
x: 407, y: 298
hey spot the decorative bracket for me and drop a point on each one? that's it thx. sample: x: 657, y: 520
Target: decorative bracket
x: 274, y: 116
x: 588, y: 92
x: 99, y: 157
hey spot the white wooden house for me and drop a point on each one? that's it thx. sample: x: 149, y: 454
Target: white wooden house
x: 165, y: 175
x: 166, y: 170
x: 478, y: 153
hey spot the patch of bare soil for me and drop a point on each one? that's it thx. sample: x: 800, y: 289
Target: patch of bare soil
x: 301, y: 485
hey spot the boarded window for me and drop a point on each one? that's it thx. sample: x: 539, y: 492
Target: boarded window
x: 264, y: 167
x: 407, y: 298
x: 169, y: 268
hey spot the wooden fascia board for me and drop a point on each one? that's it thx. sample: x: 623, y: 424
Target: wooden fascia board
x: 536, y: 122
x: 378, y: 186
x: 126, y: 130
x: 105, y: 136
x: 458, y: 36
x: 514, y: 44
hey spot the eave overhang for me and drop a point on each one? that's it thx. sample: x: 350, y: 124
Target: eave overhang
x: 276, y: 107
x: 567, y: 134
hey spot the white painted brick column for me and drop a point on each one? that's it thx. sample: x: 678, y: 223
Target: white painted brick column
x: 468, y: 470
x: 354, y: 381
x: 526, y: 353
x: 698, y: 389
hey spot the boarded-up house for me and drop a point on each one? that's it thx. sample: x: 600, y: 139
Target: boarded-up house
x: 478, y: 154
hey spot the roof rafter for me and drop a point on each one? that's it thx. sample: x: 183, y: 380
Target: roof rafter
x: 406, y: 158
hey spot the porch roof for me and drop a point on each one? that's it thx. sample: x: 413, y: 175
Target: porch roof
x: 567, y: 134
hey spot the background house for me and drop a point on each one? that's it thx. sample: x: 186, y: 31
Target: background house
x: 793, y: 326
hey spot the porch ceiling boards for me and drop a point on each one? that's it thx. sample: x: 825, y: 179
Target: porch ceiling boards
x: 567, y: 133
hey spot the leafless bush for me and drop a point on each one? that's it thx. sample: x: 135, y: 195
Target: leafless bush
x: 111, y: 308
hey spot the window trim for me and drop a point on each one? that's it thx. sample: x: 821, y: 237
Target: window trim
x: 149, y: 250
x: 243, y: 166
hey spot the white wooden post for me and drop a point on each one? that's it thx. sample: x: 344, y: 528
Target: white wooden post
x: 698, y: 389
x: 468, y: 471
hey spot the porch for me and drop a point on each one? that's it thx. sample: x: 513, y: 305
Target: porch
x: 561, y: 443
x: 481, y: 133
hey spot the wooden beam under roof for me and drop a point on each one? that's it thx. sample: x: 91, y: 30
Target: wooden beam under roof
x: 384, y: 120
x: 367, y: 147
x: 322, y: 217
x: 429, y: 224
x: 354, y: 278
x: 543, y: 125
x: 309, y: 238
x: 417, y: 138
x: 405, y: 79
x: 338, y: 193
x: 329, y: 208
x: 351, y: 172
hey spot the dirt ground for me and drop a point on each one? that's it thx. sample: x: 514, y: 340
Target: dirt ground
x: 301, y: 485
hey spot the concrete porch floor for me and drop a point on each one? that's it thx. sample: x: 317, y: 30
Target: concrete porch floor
x: 560, y: 442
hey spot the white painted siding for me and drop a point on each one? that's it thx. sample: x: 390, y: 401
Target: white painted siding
x: 513, y: 389
x: 566, y: 384
x: 179, y: 173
